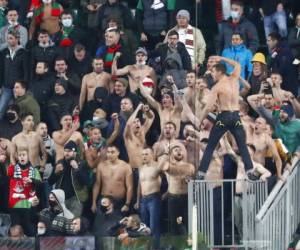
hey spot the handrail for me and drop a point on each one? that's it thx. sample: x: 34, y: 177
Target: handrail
x: 271, y: 197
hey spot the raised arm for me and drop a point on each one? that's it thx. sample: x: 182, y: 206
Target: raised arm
x: 153, y: 103
x: 116, y: 130
x: 114, y: 67
x: 62, y: 138
x: 246, y: 86
x: 149, y: 118
x: 127, y: 131
x: 255, y: 101
x: 43, y: 152
x: 83, y: 93
x: 236, y: 66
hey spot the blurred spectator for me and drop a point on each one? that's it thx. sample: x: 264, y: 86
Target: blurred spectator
x: 57, y: 216
x: 16, y: 232
x: 70, y: 175
x: 42, y: 87
x: 23, y: 179
x: 191, y: 37
x: 13, y: 25
x: 68, y: 35
x: 44, y: 51
x: 238, y: 23
x: 26, y: 101
x: 72, y: 80
x: 3, y: 179
x: 80, y: 61
x: 11, y: 125
x: 79, y: 226
x: 113, y: 45
x: 281, y: 60
x: 3, y: 9
x: 42, y: 229
x: 46, y: 17
x: 14, y: 66
x: 273, y: 14
x: 154, y: 19
x: 294, y: 40
x: 61, y: 103
x: 116, y: 9
x: 239, y: 52
x: 106, y: 218
x: 173, y: 54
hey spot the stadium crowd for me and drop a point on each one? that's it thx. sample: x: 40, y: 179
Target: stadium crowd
x: 108, y: 108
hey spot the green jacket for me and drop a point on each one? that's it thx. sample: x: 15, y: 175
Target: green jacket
x: 28, y: 104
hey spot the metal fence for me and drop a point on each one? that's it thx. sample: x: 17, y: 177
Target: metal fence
x: 224, y: 217
x: 280, y: 215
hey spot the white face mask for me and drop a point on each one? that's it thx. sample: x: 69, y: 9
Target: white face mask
x: 47, y: 1
x: 148, y: 90
x: 11, y: 23
x: 67, y: 22
x: 96, y: 118
x: 41, y: 231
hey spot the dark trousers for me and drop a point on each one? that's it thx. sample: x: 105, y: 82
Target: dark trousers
x: 226, y: 121
x: 150, y: 214
x: 178, y: 207
x: 22, y: 216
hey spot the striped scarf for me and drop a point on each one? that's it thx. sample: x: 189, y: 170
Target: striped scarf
x: 39, y: 12
x: 110, y: 52
x: 187, y: 37
x: 18, y: 172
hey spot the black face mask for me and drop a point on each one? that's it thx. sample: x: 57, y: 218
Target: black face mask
x: 10, y: 116
x: 103, y: 209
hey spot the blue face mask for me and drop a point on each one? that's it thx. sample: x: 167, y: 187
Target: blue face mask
x: 234, y: 14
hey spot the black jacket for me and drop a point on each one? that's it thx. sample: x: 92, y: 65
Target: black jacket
x: 162, y: 52
x: 63, y: 103
x: 14, y: 68
x: 81, y: 68
x: 39, y: 54
x: 8, y: 130
x: 42, y: 87
x: 294, y: 42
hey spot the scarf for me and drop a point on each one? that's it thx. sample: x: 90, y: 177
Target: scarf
x: 65, y: 40
x: 18, y: 172
x: 39, y: 12
x: 110, y: 52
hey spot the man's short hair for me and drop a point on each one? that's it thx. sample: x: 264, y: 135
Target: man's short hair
x: 14, y: 33
x: 60, y: 58
x: 66, y: 12
x: 22, y: 83
x: 79, y: 47
x: 136, y: 219
x: 172, y: 123
x: 237, y: 34
x: 14, y: 107
x: 43, y: 31
x: 114, y: 146
x: 172, y: 33
x: 96, y: 58
x: 25, y: 115
x: 220, y: 67
x: 43, y: 62
x: 274, y: 36
x: 239, y: 3
x: 268, y: 91
x: 191, y: 72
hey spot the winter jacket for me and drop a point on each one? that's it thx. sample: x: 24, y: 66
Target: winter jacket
x: 242, y: 55
x: 15, y: 68
x: 245, y: 28
x: 117, y: 10
x: 42, y: 87
x: 79, y: 179
x: 58, y: 222
x: 281, y: 60
x: 294, y: 41
x: 28, y: 104
x: 23, y: 35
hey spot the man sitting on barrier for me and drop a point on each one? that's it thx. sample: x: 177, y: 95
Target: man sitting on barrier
x: 226, y: 93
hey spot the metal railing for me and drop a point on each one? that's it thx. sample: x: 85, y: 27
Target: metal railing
x: 279, y: 217
x: 225, y: 218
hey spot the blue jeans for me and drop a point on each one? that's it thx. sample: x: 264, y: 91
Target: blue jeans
x: 150, y: 214
x: 226, y: 121
x: 278, y: 18
x: 5, y: 97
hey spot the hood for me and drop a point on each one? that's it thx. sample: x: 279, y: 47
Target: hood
x: 60, y: 197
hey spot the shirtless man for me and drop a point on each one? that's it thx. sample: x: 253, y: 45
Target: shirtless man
x: 46, y: 17
x: 167, y: 137
x: 263, y: 143
x: 148, y: 199
x: 95, y: 148
x: 178, y: 172
x: 31, y: 141
x: 136, y: 72
x: 134, y: 134
x: 113, y: 178
x: 5, y: 148
x: 67, y: 133
x: 98, y: 78
x: 189, y: 93
x: 169, y: 110
x: 226, y: 93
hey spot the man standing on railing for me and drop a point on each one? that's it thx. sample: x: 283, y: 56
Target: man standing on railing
x: 226, y: 93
